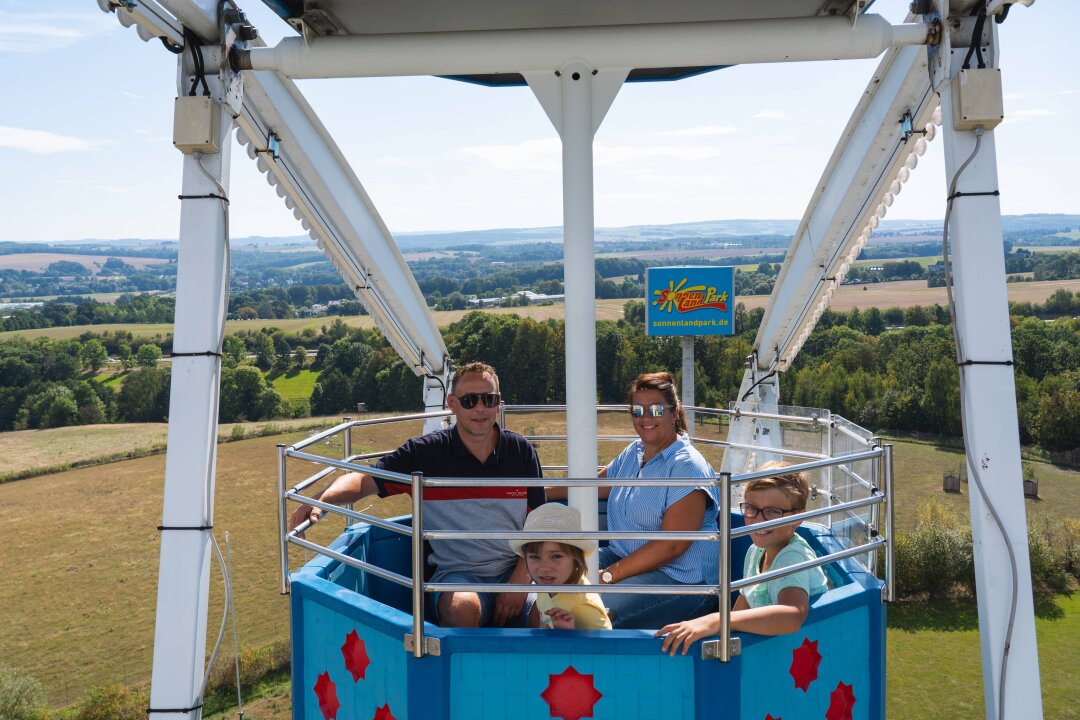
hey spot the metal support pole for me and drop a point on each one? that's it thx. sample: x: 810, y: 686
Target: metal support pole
x: 188, y: 503
x: 688, y: 380
x: 988, y: 399
x: 282, y: 515
x: 890, y: 523
x: 418, y: 563
x: 826, y: 450
x: 346, y: 441
x: 576, y: 98
x: 723, y: 522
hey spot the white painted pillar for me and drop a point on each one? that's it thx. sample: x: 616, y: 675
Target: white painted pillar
x: 991, y: 434
x: 435, y: 400
x: 688, y: 379
x: 186, y: 555
x: 576, y: 98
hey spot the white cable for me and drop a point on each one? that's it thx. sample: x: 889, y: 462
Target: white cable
x: 972, y: 465
x: 235, y: 630
x: 224, y: 617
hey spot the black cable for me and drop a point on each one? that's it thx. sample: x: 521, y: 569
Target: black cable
x: 976, y: 38
x: 761, y: 380
x: 174, y: 49
x: 198, y: 62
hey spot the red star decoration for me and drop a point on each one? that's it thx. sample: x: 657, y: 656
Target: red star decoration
x: 383, y: 713
x: 770, y: 717
x: 355, y: 654
x: 841, y: 702
x: 804, y: 664
x: 326, y: 691
x: 571, y: 695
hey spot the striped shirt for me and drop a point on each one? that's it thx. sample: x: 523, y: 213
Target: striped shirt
x: 642, y: 508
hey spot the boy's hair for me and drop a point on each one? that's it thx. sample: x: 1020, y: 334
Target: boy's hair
x: 793, y: 484
x: 474, y: 367
x: 572, y: 550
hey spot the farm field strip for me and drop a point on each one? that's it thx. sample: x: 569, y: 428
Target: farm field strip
x: 904, y: 293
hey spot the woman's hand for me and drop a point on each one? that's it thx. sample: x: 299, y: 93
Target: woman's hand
x: 687, y: 632
x: 560, y: 619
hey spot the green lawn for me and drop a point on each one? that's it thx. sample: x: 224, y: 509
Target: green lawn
x: 934, y: 665
x: 294, y: 384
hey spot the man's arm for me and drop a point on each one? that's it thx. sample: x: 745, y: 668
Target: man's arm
x: 348, y: 488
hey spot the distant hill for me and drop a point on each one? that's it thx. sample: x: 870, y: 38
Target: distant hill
x: 713, y: 230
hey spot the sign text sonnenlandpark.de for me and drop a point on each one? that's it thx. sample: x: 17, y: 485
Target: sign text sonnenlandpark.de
x: 689, y: 301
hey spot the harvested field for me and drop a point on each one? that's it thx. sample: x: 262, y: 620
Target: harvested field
x: 40, y: 261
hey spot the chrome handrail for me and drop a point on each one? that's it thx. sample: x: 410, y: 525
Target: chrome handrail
x: 724, y: 482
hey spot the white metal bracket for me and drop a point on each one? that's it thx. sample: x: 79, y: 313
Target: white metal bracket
x: 710, y: 649
x: 432, y: 645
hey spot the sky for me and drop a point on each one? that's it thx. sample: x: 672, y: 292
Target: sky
x: 86, y: 124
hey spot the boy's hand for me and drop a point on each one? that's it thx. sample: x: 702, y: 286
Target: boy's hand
x: 560, y: 619
x: 687, y: 632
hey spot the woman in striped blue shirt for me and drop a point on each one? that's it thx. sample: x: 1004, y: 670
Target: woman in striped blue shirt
x: 663, y: 450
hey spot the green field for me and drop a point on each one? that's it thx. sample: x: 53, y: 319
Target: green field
x: 295, y: 384
x: 98, y: 547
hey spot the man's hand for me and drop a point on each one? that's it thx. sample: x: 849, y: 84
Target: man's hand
x: 303, y: 514
x: 508, y: 606
x: 687, y: 632
x: 561, y: 619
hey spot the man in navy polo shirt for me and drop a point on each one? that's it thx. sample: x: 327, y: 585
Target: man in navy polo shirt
x: 474, y: 447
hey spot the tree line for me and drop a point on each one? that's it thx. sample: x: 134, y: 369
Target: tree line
x: 888, y: 370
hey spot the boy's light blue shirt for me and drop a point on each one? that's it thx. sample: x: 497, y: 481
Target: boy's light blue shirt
x: 811, y: 581
x: 643, y: 508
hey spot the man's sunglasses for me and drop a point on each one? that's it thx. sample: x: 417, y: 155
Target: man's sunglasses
x: 654, y: 410
x: 469, y: 400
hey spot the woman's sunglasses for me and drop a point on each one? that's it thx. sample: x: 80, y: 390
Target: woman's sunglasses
x: 469, y: 400
x: 654, y: 410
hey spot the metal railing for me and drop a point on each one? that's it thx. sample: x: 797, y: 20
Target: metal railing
x: 721, y: 649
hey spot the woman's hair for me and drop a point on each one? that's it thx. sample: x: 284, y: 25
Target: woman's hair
x: 794, y: 485
x: 572, y: 550
x: 663, y: 383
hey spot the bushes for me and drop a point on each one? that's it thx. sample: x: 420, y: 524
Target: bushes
x: 115, y: 702
x: 21, y: 696
x: 936, y: 557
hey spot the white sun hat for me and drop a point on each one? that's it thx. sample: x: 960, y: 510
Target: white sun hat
x: 554, y: 517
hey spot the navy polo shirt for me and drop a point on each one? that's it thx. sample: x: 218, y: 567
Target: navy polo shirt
x: 493, y: 508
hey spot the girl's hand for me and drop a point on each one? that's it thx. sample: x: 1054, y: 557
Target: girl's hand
x: 561, y: 619
x: 687, y: 632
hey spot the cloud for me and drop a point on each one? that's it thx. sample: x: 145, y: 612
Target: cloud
x: 546, y: 155
x: 543, y: 154
x: 41, y: 142
x: 772, y: 115
x: 1021, y: 115
x: 702, y: 131
x: 39, y: 32
x: 1032, y: 94
x: 126, y: 93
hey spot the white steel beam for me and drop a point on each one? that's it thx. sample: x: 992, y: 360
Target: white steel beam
x: 576, y: 98
x: 632, y: 46
x: 300, y: 159
x: 867, y: 159
x: 991, y: 435
x: 188, y: 506
x: 287, y: 140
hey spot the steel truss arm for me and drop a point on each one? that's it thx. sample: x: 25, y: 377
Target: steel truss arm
x: 870, y: 153
x: 295, y: 152
x: 283, y: 134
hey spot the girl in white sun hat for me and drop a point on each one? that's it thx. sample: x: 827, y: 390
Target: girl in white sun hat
x: 561, y: 563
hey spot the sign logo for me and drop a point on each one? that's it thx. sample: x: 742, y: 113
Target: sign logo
x: 689, y: 301
x: 686, y: 299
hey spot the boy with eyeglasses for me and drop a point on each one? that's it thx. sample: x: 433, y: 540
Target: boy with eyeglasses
x: 773, y: 607
x: 474, y: 447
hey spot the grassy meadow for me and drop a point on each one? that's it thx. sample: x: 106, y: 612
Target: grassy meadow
x: 94, y: 556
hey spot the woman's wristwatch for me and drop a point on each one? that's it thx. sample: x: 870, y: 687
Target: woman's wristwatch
x: 606, y: 577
